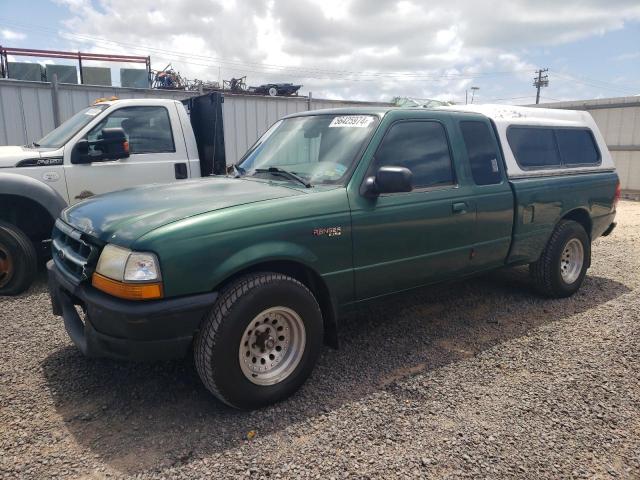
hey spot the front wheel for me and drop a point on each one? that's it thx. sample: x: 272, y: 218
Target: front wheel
x: 260, y: 341
x: 560, y: 270
x: 18, y: 260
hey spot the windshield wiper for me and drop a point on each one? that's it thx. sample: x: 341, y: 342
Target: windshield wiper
x: 239, y: 171
x: 284, y: 173
x: 35, y: 144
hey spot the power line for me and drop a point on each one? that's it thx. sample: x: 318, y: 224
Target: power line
x: 508, y: 98
x: 595, y: 83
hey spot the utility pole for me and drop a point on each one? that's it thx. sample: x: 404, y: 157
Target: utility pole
x: 540, y: 81
x: 473, y: 92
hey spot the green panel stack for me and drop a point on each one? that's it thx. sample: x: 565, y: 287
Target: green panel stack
x: 66, y: 73
x: 32, y: 72
x: 134, y: 78
x: 96, y: 76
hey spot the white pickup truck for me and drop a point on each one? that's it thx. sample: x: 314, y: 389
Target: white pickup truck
x: 108, y: 146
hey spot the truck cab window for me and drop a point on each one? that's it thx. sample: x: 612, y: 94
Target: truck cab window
x: 420, y: 146
x: 481, y: 150
x: 148, y: 129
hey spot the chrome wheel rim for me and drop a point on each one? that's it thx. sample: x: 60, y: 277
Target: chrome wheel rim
x: 572, y: 260
x: 272, y: 346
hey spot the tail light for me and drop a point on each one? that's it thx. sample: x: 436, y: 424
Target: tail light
x: 616, y: 196
x: 125, y: 147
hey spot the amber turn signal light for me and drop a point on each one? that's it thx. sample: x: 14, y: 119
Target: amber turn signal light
x: 128, y: 291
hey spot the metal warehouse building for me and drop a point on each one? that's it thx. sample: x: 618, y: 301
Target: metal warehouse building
x: 28, y: 110
x: 619, y: 121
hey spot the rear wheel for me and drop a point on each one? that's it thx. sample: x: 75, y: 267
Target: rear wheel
x: 273, y: 91
x: 260, y: 341
x: 18, y: 260
x: 560, y: 270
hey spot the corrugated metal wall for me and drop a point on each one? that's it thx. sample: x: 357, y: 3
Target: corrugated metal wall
x: 26, y: 108
x: 619, y: 121
x: 27, y: 112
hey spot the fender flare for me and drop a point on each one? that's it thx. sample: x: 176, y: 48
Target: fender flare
x: 262, y: 253
x: 28, y: 187
x: 282, y: 251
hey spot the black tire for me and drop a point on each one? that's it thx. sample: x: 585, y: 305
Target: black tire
x: 18, y: 260
x: 218, y: 342
x: 546, y: 272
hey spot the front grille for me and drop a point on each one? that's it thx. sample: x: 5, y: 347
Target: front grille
x: 71, y: 253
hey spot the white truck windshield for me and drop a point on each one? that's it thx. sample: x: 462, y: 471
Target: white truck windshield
x: 61, y: 135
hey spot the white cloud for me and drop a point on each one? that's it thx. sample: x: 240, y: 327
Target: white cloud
x: 11, y: 35
x: 624, y: 57
x: 360, y: 49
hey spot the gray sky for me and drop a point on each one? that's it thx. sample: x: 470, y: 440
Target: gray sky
x: 373, y: 49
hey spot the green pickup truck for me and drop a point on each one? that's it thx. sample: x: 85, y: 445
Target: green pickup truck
x: 327, y: 210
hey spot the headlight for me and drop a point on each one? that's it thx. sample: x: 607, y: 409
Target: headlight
x: 126, y: 274
x: 112, y: 262
x: 141, y: 267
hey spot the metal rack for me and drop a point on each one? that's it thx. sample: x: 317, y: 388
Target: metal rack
x: 79, y: 56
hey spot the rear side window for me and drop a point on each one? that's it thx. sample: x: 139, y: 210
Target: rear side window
x: 540, y: 147
x: 534, y: 147
x: 420, y: 146
x: 577, y: 147
x: 481, y: 150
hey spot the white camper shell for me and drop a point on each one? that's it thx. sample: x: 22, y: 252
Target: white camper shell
x: 508, y: 118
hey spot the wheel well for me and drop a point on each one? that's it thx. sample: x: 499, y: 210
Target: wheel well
x: 28, y: 215
x: 582, y: 217
x: 312, y: 281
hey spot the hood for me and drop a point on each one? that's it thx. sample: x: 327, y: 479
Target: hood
x: 11, y: 155
x: 124, y: 216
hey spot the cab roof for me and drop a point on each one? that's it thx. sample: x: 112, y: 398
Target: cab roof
x: 134, y: 101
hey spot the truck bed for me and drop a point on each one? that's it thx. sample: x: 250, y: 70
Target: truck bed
x: 540, y: 202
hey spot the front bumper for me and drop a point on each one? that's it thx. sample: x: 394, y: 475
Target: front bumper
x: 124, y: 329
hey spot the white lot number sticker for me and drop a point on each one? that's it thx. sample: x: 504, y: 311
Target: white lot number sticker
x: 351, y: 121
x: 92, y: 112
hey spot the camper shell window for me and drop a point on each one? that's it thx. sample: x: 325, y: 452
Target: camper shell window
x: 537, y: 147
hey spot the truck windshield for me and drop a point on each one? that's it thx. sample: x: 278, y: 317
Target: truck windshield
x: 61, y: 135
x: 318, y: 148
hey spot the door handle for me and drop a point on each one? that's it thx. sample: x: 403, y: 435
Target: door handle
x: 181, y: 171
x: 459, y: 208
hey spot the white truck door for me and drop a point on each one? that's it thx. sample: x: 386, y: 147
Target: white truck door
x: 157, y: 153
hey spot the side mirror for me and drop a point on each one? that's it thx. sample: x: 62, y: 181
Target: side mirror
x: 112, y: 146
x: 389, y: 180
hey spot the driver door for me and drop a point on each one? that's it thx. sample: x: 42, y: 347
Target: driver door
x: 154, y: 154
x: 404, y: 240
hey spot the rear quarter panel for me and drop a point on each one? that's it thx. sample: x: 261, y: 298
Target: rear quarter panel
x: 541, y: 202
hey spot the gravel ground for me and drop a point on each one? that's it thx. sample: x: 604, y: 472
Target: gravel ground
x: 475, y: 379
